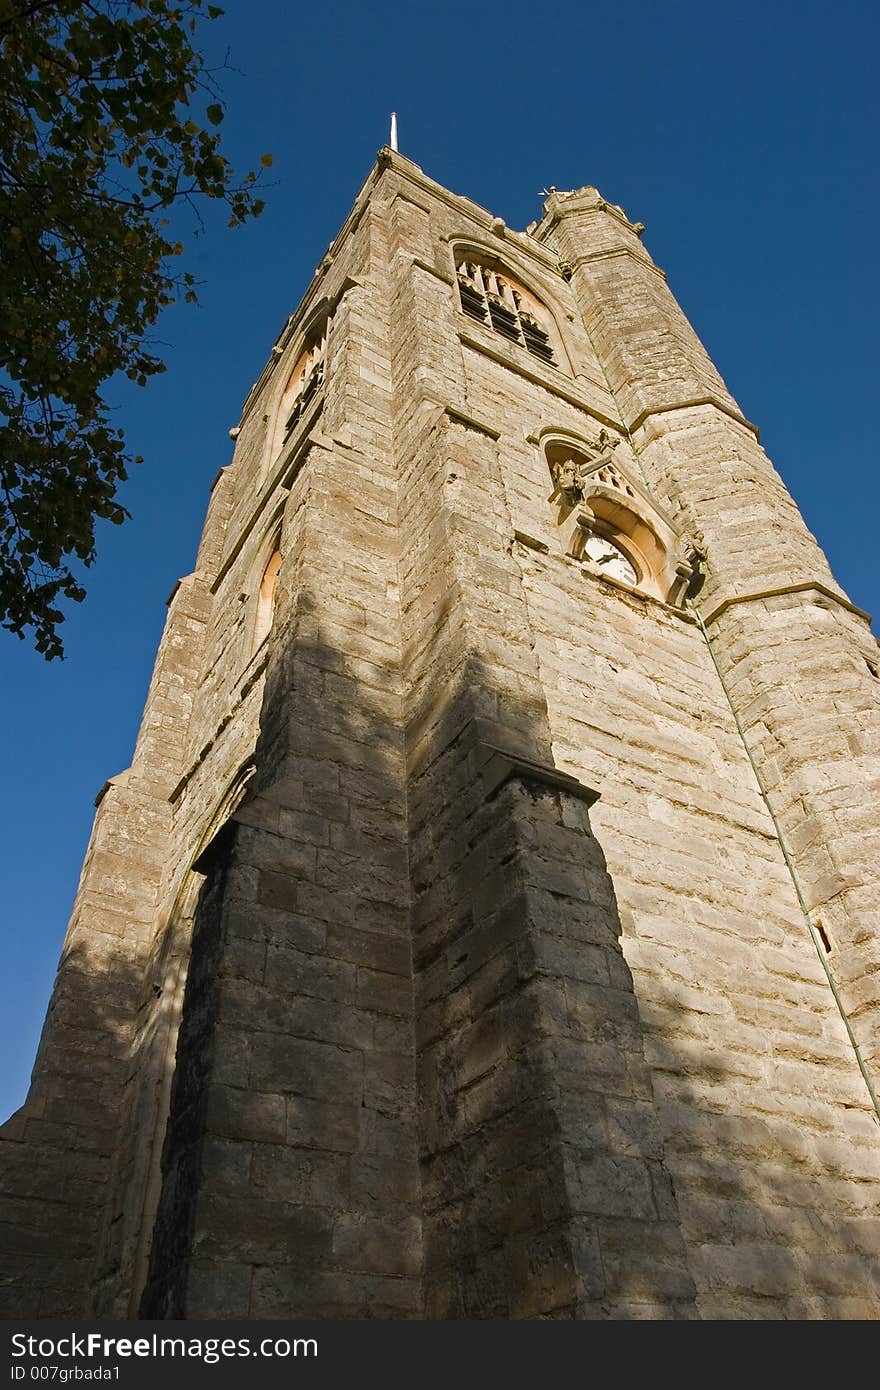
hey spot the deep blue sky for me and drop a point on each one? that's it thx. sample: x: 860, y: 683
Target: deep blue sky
x: 744, y: 135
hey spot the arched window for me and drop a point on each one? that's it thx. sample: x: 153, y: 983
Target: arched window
x: 266, y: 599
x: 620, y: 532
x: 496, y: 299
x: 303, y: 384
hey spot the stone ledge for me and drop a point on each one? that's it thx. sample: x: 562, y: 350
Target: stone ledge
x: 185, y: 580
x: 806, y: 586
x: 502, y: 768
x: 531, y: 542
x: 433, y: 270
x: 561, y: 203
x: 118, y: 780
x: 400, y: 197
x: 618, y: 251
x: 493, y: 765
x: 689, y: 405
x: 460, y: 417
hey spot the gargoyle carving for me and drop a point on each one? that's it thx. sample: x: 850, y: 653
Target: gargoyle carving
x: 569, y: 471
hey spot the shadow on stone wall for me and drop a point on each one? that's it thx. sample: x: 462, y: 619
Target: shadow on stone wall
x: 56, y: 1150
x: 290, y: 1175
x: 545, y: 1193
x: 411, y: 1075
x: 306, y: 1171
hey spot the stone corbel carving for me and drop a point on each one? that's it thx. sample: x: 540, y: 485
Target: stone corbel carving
x: 567, y: 486
x: 569, y: 471
x: 694, y: 546
x: 693, y: 568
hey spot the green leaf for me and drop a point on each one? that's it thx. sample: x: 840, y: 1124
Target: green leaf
x: 85, y: 268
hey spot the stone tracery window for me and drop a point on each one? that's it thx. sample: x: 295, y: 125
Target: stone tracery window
x: 494, y: 298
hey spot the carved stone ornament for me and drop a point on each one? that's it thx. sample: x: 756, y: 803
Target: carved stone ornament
x: 695, y: 553
x: 694, y: 546
x: 568, y: 471
x: 566, y: 480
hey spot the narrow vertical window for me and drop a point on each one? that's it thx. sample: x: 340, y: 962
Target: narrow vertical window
x: 305, y: 382
x: 303, y: 386
x: 266, y: 598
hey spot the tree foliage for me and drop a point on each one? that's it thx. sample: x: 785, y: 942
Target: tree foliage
x: 109, y: 118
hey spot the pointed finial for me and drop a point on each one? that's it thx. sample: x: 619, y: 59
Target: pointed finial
x: 394, y: 130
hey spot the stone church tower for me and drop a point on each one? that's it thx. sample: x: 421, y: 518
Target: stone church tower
x: 486, y: 925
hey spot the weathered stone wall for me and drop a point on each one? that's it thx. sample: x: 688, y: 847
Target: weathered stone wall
x: 57, y: 1151
x: 798, y: 660
x: 292, y: 1112
x: 767, y: 1129
x: 390, y: 1014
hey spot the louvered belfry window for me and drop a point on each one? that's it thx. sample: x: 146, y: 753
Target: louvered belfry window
x: 495, y: 301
